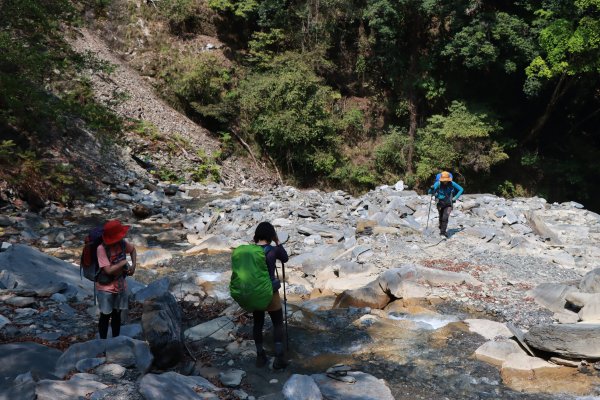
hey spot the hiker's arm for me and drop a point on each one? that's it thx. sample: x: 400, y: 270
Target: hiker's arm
x: 281, y: 254
x: 433, y: 188
x: 460, y: 190
x: 103, y: 262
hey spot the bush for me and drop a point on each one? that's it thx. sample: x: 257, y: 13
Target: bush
x: 288, y: 111
x: 390, y: 156
x: 460, y: 141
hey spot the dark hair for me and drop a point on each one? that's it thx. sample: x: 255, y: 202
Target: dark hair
x: 264, y: 231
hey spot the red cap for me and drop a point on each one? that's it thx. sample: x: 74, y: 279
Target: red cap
x: 114, y: 231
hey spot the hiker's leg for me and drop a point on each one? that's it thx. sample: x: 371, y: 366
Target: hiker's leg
x: 103, y: 325
x: 440, y: 215
x: 257, y: 329
x: 115, y: 323
x: 444, y: 218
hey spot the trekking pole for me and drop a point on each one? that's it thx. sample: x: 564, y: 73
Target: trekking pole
x: 287, y: 340
x: 428, y: 212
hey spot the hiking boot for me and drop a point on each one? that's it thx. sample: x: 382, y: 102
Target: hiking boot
x: 279, y: 363
x: 261, y: 359
x: 444, y: 234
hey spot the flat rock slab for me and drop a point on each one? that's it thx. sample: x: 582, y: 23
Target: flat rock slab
x: 67, y: 390
x: 152, y: 257
x: 567, y: 340
x: 366, y: 387
x: 552, y: 295
x: 19, y: 358
x: 174, y: 386
x: 497, y: 352
x: 218, y: 329
x: 488, y: 329
x: 301, y: 387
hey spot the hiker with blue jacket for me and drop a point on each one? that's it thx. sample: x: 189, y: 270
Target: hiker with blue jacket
x: 446, y: 191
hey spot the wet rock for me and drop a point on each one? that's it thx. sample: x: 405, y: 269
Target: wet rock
x: 218, y: 329
x: 161, y: 322
x: 367, y: 387
x: 153, y: 290
x: 497, y: 352
x: 367, y: 296
x: 232, y: 377
x: 172, y: 385
x: 301, y: 387
x: 566, y: 340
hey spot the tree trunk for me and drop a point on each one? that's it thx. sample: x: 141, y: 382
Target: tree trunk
x: 559, y: 91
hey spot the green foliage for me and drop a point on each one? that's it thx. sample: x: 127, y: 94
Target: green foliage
x: 358, y: 177
x: 391, y: 155
x: 7, y: 149
x: 288, y: 110
x: 240, y: 8
x: 201, y: 84
x: 460, y: 141
x: 509, y: 190
x: 264, y: 45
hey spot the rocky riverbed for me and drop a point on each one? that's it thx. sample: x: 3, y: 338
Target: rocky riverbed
x: 506, y: 307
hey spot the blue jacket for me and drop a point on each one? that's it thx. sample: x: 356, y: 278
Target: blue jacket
x: 446, y: 194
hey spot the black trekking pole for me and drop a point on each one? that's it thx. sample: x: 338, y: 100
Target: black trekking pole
x: 428, y: 212
x: 287, y: 340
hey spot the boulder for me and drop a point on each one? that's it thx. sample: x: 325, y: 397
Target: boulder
x: 153, y: 290
x: 129, y: 352
x: 591, y: 282
x: 551, y: 295
x: 210, y: 245
x: 366, y: 387
x: 232, y: 377
x: 19, y: 358
x: 368, y: 296
x: 301, y: 387
x: 28, y: 268
x: 161, y: 324
x: 540, y: 227
x: 567, y: 340
x: 497, y: 352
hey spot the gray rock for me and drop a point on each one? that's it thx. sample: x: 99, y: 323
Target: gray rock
x: 78, y: 351
x: 153, y: 290
x: 232, y: 377
x: 552, y: 295
x: 19, y: 358
x: 218, y: 329
x: 3, y: 321
x: 153, y: 257
x: 59, y: 298
x: 540, y: 227
x: 111, y: 370
x: 7, y: 280
x: 21, y: 390
x: 51, y: 289
x: 19, y: 301
x: 128, y: 352
x: 172, y: 385
x: 301, y: 387
x: 567, y: 340
x: 89, y: 363
x: 161, y: 323
x: 324, y: 231
x: 367, y: 387
x: 66, y: 390
x: 591, y: 282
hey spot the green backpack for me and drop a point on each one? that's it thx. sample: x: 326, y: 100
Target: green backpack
x: 250, y: 284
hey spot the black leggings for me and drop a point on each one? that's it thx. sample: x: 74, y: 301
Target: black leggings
x: 444, y: 212
x: 115, y: 324
x: 259, y: 323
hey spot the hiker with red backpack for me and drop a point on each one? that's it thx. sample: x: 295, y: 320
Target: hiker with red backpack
x: 110, y: 280
x: 446, y: 191
x: 255, y: 286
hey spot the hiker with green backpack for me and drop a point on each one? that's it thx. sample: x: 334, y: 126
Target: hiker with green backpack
x: 255, y: 287
x: 110, y: 281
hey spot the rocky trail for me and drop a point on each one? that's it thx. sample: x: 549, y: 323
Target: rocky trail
x: 507, y: 307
